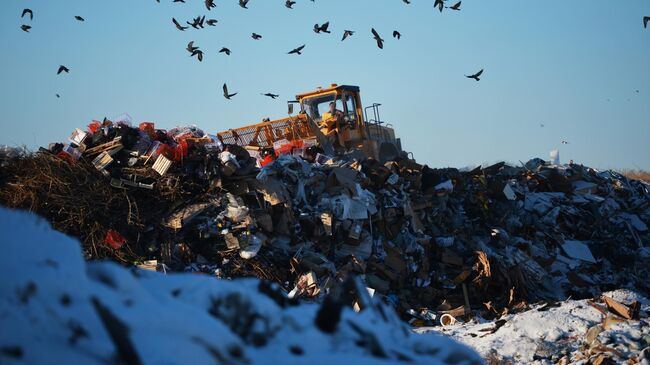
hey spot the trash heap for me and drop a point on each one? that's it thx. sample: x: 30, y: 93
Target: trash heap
x: 60, y: 309
x: 438, y: 244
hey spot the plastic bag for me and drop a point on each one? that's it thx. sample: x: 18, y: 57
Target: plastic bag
x: 186, y: 131
x: 254, y: 244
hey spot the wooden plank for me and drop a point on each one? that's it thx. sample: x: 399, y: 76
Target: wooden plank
x: 618, y: 308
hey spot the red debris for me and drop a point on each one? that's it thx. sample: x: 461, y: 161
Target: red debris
x: 114, y: 239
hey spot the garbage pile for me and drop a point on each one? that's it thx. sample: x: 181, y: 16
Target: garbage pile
x: 438, y: 244
x: 60, y: 309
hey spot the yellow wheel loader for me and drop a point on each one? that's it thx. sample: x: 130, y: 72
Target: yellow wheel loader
x: 352, y: 129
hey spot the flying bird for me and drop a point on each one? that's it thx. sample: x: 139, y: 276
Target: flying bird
x: 289, y: 4
x: 397, y: 34
x: 79, y: 18
x: 197, y: 22
x: 198, y: 53
x: 179, y: 1
x: 211, y: 22
x: 256, y: 36
x: 178, y: 26
x: 380, y: 42
x: 209, y: 4
x: 297, y: 50
x: 243, y: 3
x: 57, y: 95
x: 272, y: 96
x: 439, y: 4
x: 225, y: 92
x: 406, y: 1
x: 194, y: 51
x: 190, y: 47
x: 646, y: 19
x: 476, y: 76
x: 565, y: 142
x: 25, y: 28
x: 455, y: 6
x: 225, y: 50
x: 28, y: 11
x: 322, y: 28
x: 346, y: 34
x: 62, y: 69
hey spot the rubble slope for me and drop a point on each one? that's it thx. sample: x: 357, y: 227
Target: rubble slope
x: 56, y: 308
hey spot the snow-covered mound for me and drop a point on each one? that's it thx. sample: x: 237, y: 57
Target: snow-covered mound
x: 572, y: 331
x: 56, y: 308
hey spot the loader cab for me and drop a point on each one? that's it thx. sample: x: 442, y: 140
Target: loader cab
x: 371, y: 136
x: 346, y: 99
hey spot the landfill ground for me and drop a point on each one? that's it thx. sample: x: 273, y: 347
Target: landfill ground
x: 531, y: 263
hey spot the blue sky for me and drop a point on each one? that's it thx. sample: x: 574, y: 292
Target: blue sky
x: 573, y: 66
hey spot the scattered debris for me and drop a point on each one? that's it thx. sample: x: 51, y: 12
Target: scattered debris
x: 484, y: 242
x: 572, y: 331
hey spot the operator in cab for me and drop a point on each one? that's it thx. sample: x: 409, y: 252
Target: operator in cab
x: 330, y: 122
x: 333, y: 113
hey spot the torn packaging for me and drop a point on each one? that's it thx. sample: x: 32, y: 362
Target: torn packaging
x: 541, y: 202
x: 236, y: 211
x: 345, y: 207
x: 185, y: 215
x: 231, y: 241
x: 272, y: 189
x: 344, y: 178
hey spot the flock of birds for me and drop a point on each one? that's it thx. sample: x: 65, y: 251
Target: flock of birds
x: 27, y: 27
x: 201, y: 22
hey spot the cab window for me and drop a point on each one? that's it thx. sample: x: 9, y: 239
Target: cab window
x: 316, y: 106
x: 350, y: 106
